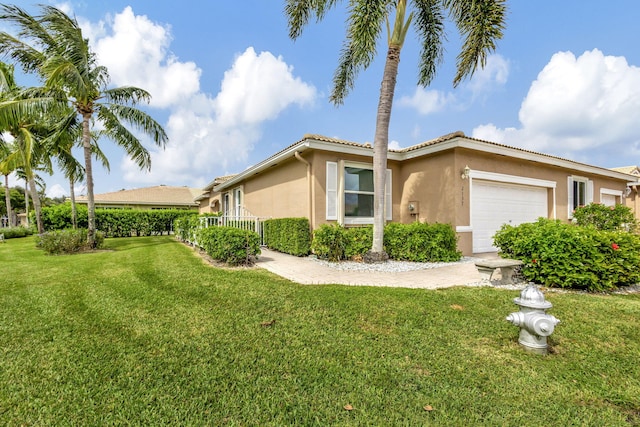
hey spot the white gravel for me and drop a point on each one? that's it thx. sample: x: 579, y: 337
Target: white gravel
x: 389, y: 266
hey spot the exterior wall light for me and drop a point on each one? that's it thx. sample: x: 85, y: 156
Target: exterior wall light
x: 465, y: 172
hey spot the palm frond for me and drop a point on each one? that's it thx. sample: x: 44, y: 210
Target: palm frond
x: 138, y: 119
x: 126, y: 94
x: 299, y: 12
x: 481, y: 23
x: 124, y: 138
x: 430, y: 25
x: 365, y: 22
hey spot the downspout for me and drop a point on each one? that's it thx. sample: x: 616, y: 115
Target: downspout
x: 309, y: 187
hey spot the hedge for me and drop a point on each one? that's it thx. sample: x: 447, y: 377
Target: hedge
x: 557, y: 254
x: 419, y: 242
x: 288, y: 235
x: 231, y: 245
x: 115, y: 222
x: 14, y: 232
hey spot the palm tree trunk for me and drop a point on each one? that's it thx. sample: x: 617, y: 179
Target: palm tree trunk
x: 26, y: 202
x: 36, y: 204
x: 7, y: 200
x: 72, y: 196
x: 380, y: 149
x: 91, y: 206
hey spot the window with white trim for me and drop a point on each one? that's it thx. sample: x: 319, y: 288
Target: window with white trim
x: 580, y: 193
x: 237, y: 201
x: 358, y: 192
x: 349, y: 193
x: 225, y: 204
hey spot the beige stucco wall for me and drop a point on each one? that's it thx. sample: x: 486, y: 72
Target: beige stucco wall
x: 279, y: 192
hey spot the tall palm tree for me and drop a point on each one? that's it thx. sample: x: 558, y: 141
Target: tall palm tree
x: 480, y: 23
x: 26, y: 125
x: 7, y: 84
x: 4, y: 152
x: 52, y: 45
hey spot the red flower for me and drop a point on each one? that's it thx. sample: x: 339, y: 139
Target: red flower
x: 615, y: 246
x: 534, y: 261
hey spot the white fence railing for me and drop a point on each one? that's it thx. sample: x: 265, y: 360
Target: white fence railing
x: 248, y: 222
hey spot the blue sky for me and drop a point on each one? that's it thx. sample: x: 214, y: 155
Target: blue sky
x: 230, y: 87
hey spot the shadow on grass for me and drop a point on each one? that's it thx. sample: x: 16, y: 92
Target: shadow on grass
x: 131, y: 243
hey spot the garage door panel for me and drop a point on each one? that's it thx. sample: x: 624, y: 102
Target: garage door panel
x: 494, y: 204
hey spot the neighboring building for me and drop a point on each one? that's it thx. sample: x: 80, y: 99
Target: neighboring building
x: 210, y: 201
x: 158, y: 197
x: 474, y: 185
x: 632, y: 196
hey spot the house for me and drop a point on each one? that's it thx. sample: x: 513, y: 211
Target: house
x: 210, y: 201
x: 632, y: 196
x: 474, y: 185
x: 158, y: 197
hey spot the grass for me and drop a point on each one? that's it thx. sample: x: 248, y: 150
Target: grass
x: 148, y: 334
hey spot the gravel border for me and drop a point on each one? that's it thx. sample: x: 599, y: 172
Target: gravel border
x: 390, y: 266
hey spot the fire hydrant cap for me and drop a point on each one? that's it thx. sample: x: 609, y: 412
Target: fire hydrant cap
x: 532, y: 297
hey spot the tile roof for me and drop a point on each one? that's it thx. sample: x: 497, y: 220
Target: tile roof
x: 631, y: 170
x: 158, y: 195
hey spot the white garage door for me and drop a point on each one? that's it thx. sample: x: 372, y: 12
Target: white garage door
x: 495, y: 203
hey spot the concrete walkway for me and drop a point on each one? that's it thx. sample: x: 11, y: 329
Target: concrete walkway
x: 307, y: 271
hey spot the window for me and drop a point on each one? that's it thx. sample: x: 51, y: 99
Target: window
x: 225, y: 204
x: 580, y: 193
x: 358, y: 192
x: 349, y: 193
x: 237, y: 201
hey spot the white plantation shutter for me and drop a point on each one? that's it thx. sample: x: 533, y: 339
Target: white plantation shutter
x: 332, y: 191
x: 388, y: 203
x: 570, y: 201
x: 589, y: 191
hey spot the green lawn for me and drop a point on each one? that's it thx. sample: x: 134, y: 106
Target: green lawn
x: 148, y: 334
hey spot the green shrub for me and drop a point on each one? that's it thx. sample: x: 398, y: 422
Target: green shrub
x: 611, y: 218
x: 421, y: 242
x: 358, y: 241
x: 67, y: 241
x: 329, y: 242
x: 231, y: 245
x: 571, y: 256
x: 288, y: 235
x: 14, y: 232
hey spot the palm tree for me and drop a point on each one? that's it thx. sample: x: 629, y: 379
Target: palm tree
x: 26, y: 125
x: 480, y: 23
x: 61, y: 56
x: 4, y: 152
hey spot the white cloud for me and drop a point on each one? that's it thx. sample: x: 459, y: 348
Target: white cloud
x: 208, y: 134
x: 494, y: 74
x: 136, y: 52
x: 427, y: 101
x: 213, y: 134
x: 577, y: 104
x: 394, y: 145
x: 56, y: 190
x: 258, y: 88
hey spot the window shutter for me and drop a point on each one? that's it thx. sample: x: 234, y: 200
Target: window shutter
x: 570, y: 201
x: 589, y: 191
x: 388, y: 202
x: 332, y: 191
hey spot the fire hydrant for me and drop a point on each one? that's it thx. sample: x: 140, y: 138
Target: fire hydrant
x: 535, y: 324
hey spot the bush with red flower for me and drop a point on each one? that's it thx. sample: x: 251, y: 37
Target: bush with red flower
x: 558, y: 254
